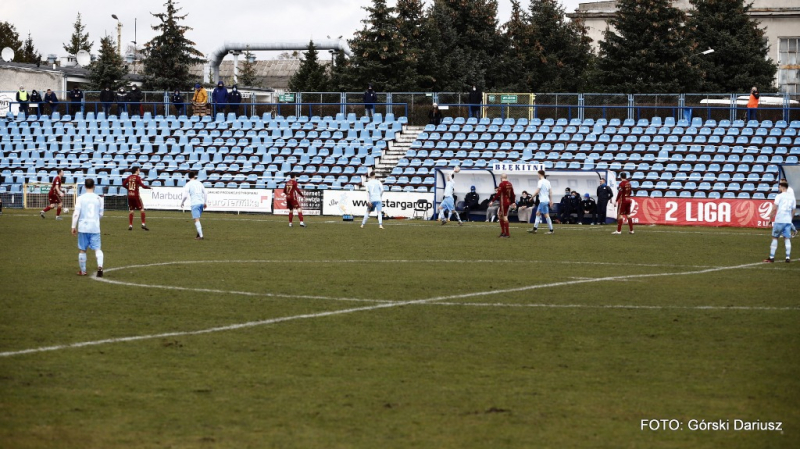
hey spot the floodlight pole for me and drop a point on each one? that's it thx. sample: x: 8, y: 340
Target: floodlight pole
x: 119, y: 34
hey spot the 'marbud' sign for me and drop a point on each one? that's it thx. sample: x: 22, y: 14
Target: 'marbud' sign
x: 702, y: 212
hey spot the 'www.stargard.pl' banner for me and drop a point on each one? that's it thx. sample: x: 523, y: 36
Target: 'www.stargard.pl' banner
x: 223, y: 200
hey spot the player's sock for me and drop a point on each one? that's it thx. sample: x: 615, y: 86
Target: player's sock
x: 366, y: 216
x: 630, y: 224
x: 772, y: 248
x: 550, y: 223
x: 536, y: 222
x: 788, y: 244
x: 619, y: 225
x: 199, y: 228
x: 142, y: 220
x: 46, y: 209
x: 99, y: 255
x: 82, y: 261
x: 507, y: 227
x: 291, y: 217
x: 380, y: 219
x: 58, y: 211
x: 300, y: 215
x: 130, y: 219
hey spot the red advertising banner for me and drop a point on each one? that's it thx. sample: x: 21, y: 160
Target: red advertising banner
x: 702, y: 212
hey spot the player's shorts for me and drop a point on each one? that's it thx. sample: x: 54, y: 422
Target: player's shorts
x: 447, y: 204
x: 503, y: 210
x: 88, y: 241
x: 197, y: 211
x: 291, y: 204
x: 375, y: 206
x: 135, y: 203
x: 544, y: 208
x: 782, y: 229
x: 53, y: 198
x: 624, y: 207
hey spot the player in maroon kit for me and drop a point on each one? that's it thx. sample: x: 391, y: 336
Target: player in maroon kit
x: 623, y: 203
x: 505, y: 194
x: 132, y: 184
x: 55, y: 196
x: 293, y: 194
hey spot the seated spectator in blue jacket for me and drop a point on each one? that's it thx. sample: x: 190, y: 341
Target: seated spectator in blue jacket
x: 588, y: 207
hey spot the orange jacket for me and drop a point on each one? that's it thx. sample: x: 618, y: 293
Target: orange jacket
x: 200, y: 96
x: 753, y: 102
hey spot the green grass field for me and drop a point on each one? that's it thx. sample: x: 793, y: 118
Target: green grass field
x: 419, y: 335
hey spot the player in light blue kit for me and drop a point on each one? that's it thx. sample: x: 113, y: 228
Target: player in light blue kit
x: 448, y: 202
x: 781, y: 219
x: 86, y: 226
x: 195, y: 192
x: 375, y: 190
x: 543, y: 190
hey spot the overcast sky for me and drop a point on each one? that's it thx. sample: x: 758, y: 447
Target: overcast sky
x: 214, y: 21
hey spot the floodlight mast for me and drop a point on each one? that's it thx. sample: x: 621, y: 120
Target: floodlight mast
x: 119, y: 34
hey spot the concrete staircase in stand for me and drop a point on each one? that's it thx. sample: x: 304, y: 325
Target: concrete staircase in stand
x: 396, y: 151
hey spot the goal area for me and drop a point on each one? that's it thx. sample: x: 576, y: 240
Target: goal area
x: 34, y: 195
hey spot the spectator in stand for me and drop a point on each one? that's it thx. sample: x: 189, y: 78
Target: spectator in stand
x: 52, y: 100
x: 177, y: 101
x: 604, y: 195
x: 525, y: 206
x: 475, y: 100
x: 219, y: 96
x: 23, y: 98
x: 471, y: 201
x: 565, y: 207
x: 122, y: 101
x: 370, y: 98
x: 752, y: 104
x: 135, y: 99
x: 106, y: 98
x: 36, y: 103
x: 199, y: 100
x: 234, y: 100
x: 588, y: 207
x: 492, y: 208
x: 435, y: 115
x: 76, y: 100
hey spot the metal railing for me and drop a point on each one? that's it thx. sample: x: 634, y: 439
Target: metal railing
x: 416, y: 105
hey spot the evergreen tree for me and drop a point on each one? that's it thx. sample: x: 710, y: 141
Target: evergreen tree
x: 247, y: 73
x: 377, y: 50
x: 169, y: 55
x: 339, y: 79
x: 520, y: 54
x: 466, y: 42
x: 109, y: 69
x: 79, y: 40
x: 648, y: 51
x: 311, y: 76
x: 444, y: 64
x: 740, y: 59
x: 29, y: 53
x: 410, y: 21
x: 10, y: 38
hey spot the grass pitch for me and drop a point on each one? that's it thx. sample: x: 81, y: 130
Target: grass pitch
x: 419, y: 335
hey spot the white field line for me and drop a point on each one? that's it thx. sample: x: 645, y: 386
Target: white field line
x: 358, y: 309
x: 610, y: 306
x: 382, y: 261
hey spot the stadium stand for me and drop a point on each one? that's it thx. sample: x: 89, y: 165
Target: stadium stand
x: 665, y: 157
x: 234, y: 152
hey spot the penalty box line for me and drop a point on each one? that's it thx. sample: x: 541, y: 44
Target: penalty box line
x: 354, y: 310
